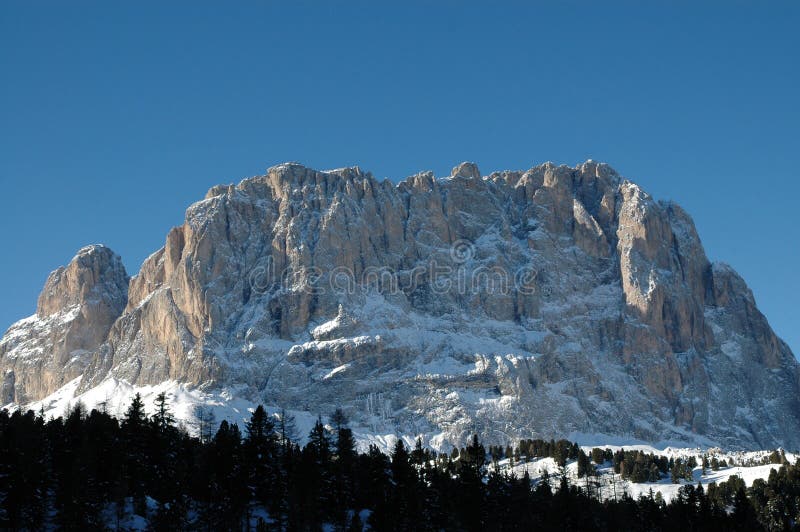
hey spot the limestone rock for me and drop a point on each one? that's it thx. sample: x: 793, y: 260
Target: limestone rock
x: 77, y: 307
x: 544, y: 303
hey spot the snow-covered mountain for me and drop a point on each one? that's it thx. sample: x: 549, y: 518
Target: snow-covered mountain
x: 551, y: 302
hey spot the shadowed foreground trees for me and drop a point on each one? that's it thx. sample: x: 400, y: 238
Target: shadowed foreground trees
x: 90, y: 471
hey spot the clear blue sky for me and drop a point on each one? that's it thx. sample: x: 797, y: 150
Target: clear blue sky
x: 114, y: 118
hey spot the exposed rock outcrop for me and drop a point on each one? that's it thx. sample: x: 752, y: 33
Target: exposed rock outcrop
x: 539, y: 303
x: 76, y: 309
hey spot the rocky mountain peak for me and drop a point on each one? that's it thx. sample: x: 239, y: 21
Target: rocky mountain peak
x: 466, y: 170
x: 544, y: 302
x: 95, y: 276
x: 76, y: 309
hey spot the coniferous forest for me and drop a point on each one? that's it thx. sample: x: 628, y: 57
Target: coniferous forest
x: 91, y: 471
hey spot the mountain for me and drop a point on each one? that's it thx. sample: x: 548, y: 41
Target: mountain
x: 557, y: 301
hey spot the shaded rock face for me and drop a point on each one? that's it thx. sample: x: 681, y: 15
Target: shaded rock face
x: 540, y: 303
x: 76, y: 309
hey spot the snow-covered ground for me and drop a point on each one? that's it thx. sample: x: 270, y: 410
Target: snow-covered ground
x: 610, y: 485
x: 114, y: 396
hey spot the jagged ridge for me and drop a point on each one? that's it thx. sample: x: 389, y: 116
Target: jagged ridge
x: 611, y: 320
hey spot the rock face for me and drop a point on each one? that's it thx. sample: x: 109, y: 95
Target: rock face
x: 541, y: 303
x: 76, y: 309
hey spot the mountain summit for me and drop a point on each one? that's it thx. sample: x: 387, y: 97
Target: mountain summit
x: 551, y: 302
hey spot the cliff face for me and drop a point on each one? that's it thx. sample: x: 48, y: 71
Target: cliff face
x: 76, y: 309
x: 539, y: 303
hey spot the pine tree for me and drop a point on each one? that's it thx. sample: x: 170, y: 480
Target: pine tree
x: 344, y: 474
x: 135, y: 416
x: 419, y: 457
x: 405, y: 501
x: 476, y: 455
x: 135, y: 438
x: 286, y: 433
x: 598, y: 455
x: 338, y: 419
x: 471, y: 474
x: 374, y: 467
x: 743, y: 514
x: 319, y: 443
x: 163, y: 446
x: 317, y: 475
x: 225, y: 498
x: 103, y: 432
x: 163, y: 418
x: 260, y: 448
x: 585, y: 467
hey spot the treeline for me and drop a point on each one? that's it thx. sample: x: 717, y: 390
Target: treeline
x: 633, y: 465
x: 559, y: 450
x: 91, y: 471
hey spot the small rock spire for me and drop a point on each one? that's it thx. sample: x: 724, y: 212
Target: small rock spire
x: 466, y: 169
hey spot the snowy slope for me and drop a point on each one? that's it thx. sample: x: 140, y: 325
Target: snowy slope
x: 608, y: 484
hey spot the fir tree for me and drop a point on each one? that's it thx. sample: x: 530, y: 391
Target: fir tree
x: 260, y: 446
x: 135, y: 437
x: 163, y: 418
x: 344, y: 474
x: 585, y: 467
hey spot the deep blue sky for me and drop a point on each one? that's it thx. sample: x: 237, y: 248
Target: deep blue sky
x: 114, y: 118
